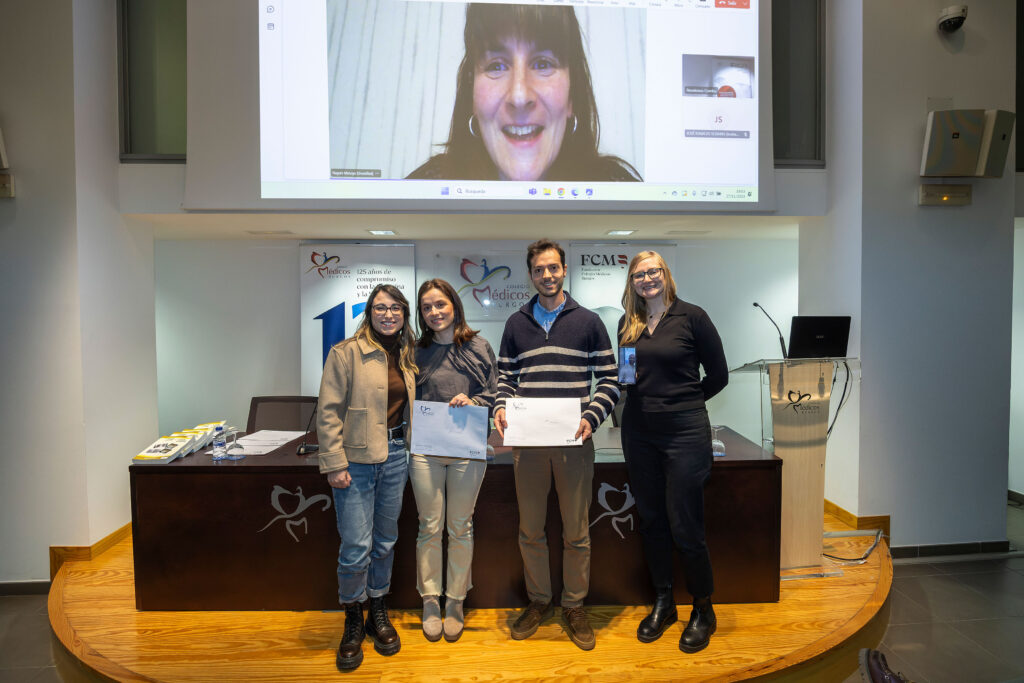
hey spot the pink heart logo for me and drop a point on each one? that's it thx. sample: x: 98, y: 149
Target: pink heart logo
x: 486, y: 294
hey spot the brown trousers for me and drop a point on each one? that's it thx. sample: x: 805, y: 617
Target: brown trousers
x: 573, y: 471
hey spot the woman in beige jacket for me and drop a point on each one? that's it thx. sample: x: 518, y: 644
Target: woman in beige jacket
x: 366, y: 392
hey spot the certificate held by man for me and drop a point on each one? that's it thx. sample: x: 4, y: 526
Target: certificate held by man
x: 542, y: 421
x: 455, y: 432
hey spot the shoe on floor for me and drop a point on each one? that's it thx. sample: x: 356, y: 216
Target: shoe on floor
x: 379, y: 628
x: 697, y: 633
x: 663, y: 615
x: 577, y: 626
x: 530, y: 619
x: 874, y: 668
x: 350, y: 649
x: 454, y: 620
x: 431, y: 618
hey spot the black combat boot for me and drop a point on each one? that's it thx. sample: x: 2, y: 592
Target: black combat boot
x: 663, y: 615
x: 702, y: 624
x: 350, y: 649
x: 379, y: 628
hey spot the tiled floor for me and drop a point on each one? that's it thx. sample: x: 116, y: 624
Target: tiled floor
x: 949, y: 621
x: 959, y: 620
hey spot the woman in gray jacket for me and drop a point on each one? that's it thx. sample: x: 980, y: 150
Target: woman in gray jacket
x: 365, y: 395
x: 457, y: 367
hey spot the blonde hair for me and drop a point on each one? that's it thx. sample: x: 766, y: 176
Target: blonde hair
x: 406, y: 341
x: 635, y: 305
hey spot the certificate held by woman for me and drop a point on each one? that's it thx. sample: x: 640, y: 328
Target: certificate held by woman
x: 452, y: 431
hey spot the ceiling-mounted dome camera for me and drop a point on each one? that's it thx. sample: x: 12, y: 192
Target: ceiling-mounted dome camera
x: 952, y: 18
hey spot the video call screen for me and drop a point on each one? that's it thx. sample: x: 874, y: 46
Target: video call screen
x: 630, y: 101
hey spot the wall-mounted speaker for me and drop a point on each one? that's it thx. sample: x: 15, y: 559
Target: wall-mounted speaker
x: 966, y: 143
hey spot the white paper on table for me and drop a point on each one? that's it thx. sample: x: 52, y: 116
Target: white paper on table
x: 542, y: 421
x: 440, y: 429
x: 270, y: 436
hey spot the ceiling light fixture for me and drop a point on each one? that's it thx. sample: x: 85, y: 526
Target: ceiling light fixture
x: 620, y: 233
x: 381, y: 232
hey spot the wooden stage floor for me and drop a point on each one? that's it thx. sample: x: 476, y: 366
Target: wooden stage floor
x: 813, y: 634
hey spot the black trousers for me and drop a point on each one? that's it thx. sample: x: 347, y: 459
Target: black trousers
x: 669, y: 458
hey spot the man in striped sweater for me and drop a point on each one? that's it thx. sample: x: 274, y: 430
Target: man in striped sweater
x: 550, y: 349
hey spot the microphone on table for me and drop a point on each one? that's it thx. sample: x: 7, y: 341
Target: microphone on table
x: 782, y: 343
x: 304, y: 448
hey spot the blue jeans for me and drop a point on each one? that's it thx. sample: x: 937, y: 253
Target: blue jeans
x: 367, y: 513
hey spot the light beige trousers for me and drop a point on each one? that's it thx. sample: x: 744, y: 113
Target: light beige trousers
x: 445, y: 490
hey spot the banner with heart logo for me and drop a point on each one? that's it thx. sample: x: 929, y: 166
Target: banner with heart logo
x: 492, y: 285
x: 334, y: 281
x: 597, y: 275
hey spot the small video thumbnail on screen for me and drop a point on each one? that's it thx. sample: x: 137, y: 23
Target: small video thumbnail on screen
x: 718, y: 76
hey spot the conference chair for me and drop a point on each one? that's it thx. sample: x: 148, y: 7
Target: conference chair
x: 289, y: 413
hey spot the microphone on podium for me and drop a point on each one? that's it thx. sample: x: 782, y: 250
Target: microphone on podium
x: 782, y: 343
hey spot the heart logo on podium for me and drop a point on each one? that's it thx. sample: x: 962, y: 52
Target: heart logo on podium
x: 282, y: 499
x: 616, y: 507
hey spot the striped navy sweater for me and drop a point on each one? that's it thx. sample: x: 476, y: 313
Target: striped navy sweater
x: 533, y: 363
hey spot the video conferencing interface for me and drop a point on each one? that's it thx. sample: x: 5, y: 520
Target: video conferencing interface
x: 622, y: 100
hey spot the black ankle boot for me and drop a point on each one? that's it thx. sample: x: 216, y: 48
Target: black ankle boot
x: 698, y: 632
x: 350, y: 649
x: 378, y: 627
x: 662, y: 616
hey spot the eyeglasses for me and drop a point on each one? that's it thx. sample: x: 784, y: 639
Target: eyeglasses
x: 381, y: 309
x: 650, y: 272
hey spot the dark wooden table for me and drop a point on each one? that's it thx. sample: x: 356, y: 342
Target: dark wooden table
x: 260, y: 533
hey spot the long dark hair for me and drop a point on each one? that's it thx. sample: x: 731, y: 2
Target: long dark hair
x: 462, y: 332
x: 555, y: 29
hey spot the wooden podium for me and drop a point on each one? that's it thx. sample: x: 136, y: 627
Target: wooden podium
x: 794, y: 425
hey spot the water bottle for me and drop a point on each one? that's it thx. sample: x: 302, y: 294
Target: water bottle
x: 220, y: 444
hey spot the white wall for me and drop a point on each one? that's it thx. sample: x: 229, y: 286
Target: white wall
x: 1016, y: 474
x: 115, y: 276
x: 43, y: 495
x: 230, y: 309
x: 227, y: 327
x: 77, y: 354
x: 936, y: 285
x: 830, y: 246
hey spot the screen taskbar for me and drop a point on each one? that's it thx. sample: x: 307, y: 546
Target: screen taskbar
x: 503, y: 190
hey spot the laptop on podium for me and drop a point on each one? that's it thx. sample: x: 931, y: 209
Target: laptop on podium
x: 819, y: 336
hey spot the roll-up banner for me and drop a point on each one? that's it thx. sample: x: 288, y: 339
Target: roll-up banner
x: 597, y: 276
x: 334, y: 282
x: 493, y: 285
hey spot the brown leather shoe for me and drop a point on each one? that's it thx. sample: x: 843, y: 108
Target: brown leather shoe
x: 530, y: 619
x: 350, y: 649
x: 577, y: 626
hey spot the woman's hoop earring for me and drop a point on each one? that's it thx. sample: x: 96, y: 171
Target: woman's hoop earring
x: 575, y: 122
x: 471, y: 131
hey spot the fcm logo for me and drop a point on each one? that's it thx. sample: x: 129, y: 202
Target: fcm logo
x: 603, y: 260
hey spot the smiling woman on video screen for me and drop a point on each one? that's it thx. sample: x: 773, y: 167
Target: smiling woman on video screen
x: 524, y: 104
